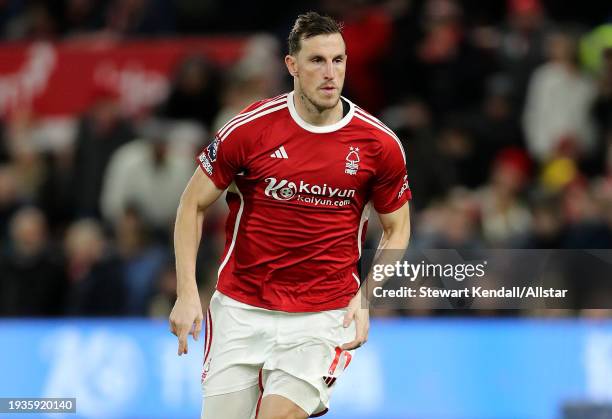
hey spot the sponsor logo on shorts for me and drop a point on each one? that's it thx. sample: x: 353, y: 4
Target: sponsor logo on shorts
x: 341, y: 361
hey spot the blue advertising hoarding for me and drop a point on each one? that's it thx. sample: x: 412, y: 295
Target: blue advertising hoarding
x: 410, y: 368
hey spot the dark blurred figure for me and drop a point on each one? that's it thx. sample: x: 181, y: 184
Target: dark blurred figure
x: 462, y: 160
x: 521, y: 46
x: 10, y: 198
x: 142, y: 262
x: 30, y: 20
x: 32, y: 281
x: 411, y: 120
x: 4, y: 152
x: 95, y: 272
x: 495, y: 123
x: 101, y: 131
x: 547, y: 226
x: 81, y: 16
x: 164, y: 295
x: 140, y: 17
x: 587, y: 227
x: 451, y: 69
x: 400, y: 70
x: 55, y: 195
x: 367, y: 54
x: 450, y: 224
x: 195, y: 92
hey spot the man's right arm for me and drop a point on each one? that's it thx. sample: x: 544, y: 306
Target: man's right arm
x: 199, y: 194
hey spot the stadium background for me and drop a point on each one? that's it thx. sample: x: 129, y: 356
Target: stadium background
x: 505, y: 112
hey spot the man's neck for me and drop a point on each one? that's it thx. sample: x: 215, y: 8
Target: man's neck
x: 309, y: 113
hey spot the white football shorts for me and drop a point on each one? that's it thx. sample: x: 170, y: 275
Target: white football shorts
x: 295, y: 355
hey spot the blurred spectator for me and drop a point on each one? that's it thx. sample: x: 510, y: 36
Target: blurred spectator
x: 4, y: 154
x: 502, y: 212
x: 451, y: 68
x: 522, y: 44
x: 258, y: 75
x: 194, y: 94
x: 10, y: 198
x: 494, y: 124
x: 547, y: 227
x: 451, y: 225
x: 593, y: 46
x: 602, y: 108
x: 33, y: 21
x: 429, y: 176
x: 101, y: 132
x: 586, y: 226
x: 462, y: 160
x: 140, y: 17
x: 55, y: 196
x: 148, y: 175
x: 142, y: 261
x: 165, y: 296
x: 81, y: 16
x: 367, y: 54
x: 556, y: 117
x: 32, y: 281
x: 95, y: 273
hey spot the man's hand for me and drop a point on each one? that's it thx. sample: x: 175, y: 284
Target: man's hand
x: 186, y: 319
x: 361, y: 316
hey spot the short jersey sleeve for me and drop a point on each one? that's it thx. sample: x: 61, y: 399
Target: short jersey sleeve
x: 222, y: 159
x: 227, y: 153
x: 391, y: 189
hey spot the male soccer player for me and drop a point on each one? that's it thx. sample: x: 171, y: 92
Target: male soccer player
x: 301, y: 172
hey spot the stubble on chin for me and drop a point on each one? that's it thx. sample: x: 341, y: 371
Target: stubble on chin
x: 313, y: 105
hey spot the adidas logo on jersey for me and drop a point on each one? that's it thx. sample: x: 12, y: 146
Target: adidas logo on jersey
x: 280, y: 153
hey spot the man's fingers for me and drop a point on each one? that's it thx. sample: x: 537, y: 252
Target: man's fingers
x: 182, y: 347
x: 348, y: 317
x: 353, y: 345
x: 197, y: 328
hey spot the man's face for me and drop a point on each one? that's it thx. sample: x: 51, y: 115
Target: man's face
x: 319, y: 67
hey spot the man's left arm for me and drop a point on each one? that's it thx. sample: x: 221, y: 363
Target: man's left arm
x: 396, y: 234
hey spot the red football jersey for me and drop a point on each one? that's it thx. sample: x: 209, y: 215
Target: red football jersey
x: 299, y: 197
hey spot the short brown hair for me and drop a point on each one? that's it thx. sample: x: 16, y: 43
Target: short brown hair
x: 308, y: 25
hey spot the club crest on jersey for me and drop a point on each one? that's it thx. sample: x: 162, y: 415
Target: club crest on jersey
x: 352, y: 161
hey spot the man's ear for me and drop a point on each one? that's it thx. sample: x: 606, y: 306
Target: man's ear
x: 291, y: 64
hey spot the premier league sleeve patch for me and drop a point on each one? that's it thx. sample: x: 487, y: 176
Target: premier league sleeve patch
x: 205, y: 163
x: 211, y: 150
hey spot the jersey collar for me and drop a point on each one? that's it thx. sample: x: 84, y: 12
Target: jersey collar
x: 319, y: 129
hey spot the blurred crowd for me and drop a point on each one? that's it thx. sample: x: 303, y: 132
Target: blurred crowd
x: 504, y: 110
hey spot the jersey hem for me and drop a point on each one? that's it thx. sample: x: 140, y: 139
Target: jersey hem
x: 293, y: 309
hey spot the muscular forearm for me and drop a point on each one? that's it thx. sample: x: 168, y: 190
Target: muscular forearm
x: 391, y: 248
x: 187, y: 236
